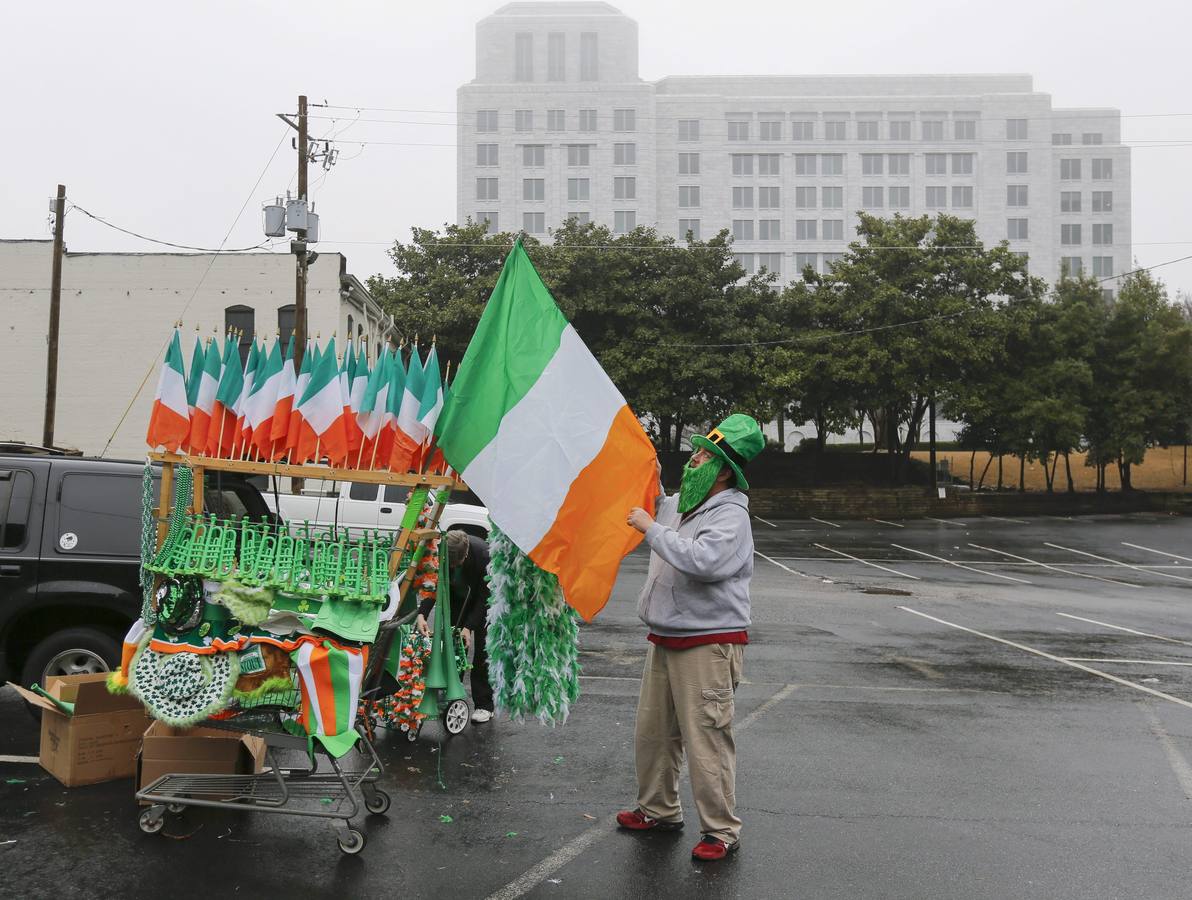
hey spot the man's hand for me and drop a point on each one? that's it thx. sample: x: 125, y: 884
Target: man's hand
x: 467, y: 635
x: 640, y: 519
x: 421, y: 626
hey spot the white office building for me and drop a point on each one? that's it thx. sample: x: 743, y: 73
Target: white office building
x: 558, y: 124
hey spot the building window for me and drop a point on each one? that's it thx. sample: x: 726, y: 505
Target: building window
x: 745, y: 261
x: 831, y: 259
x: 624, y: 221
x: 1103, y: 234
x: 1016, y: 195
x: 871, y: 197
x: 833, y: 197
x: 738, y: 130
x: 769, y: 230
x: 1070, y: 235
x: 768, y: 198
x: 900, y: 197
x: 523, y: 56
x: 523, y: 120
x: 899, y: 163
x: 962, y: 164
x: 581, y: 218
x: 1107, y: 295
x: 556, y: 67
x: 534, y: 223
x: 589, y: 69
x: 556, y: 120
x: 1102, y: 169
x: 689, y: 227
x: 742, y: 163
x: 688, y: 163
x: 1024, y: 258
x: 1103, y: 266
x: 625, y: 120
x: 1070, y: 169
x: 285, y: 322
x: 489, y: 218
x: 802, y: 131
x: 1071, y: 266
x: 831, y: 163
x: 1016, y: 129
x: 534, y: 189
x: 1017, y: 229
x: 243, y: 319
x: 1061, y: 140
x: 805, y: 197
x: 833, y: 229
x: 1016, y: 162
x: 900, y: 130
x: 835, y: 131
x: 534, y: 155
x: 1070, y: 201
x: 770, y: 131
x: 688, y: 130
x: 1102, y: 201
x: 770, y: 262
x: 936, y: 197
x: 579, y: 189
x: 587, y: 120
x: 742, y: 229
x: 1091, y: 137
x: 486, y: 189
x: 689, y: 196
x: 964, y: 129
x: 624, y: 154
x: 487, y: 155
x: 769, y: 164
x: 624, y: 188
x: 962, y: 196
x: 805, y: 229
x: 486, y: 120
x: 937, y: 164
x: 805, y: 261
x: 933, y: 130
x: 871, y: 164
x: 742, y: 198
x: 867, y: 130
x: 351, y: 324
x: 804, y: 163
x: 579, y: 154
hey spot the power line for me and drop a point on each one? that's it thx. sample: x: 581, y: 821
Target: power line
x: 151, y: 240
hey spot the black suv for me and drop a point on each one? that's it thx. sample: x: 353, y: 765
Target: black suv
x: 70, y: 539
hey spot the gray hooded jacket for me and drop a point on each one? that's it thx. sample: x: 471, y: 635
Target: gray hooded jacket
x: 698, y: 582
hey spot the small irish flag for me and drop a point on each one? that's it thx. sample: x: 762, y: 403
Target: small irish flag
x: 544, y: 438
x: 321, y: 413
x: 204, y: 405
x: 169, y: 423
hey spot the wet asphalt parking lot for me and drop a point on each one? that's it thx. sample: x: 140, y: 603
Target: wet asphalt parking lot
x: 972, y: 708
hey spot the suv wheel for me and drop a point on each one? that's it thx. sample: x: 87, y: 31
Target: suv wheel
x: 71, y: 651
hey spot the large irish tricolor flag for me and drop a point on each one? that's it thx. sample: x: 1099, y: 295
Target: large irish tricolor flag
x: 544, y: 438
x: 169, y: 423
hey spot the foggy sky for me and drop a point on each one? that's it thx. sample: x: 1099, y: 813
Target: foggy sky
x: 160, y: 116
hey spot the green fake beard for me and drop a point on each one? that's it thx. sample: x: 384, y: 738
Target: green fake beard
x: 696, y: 483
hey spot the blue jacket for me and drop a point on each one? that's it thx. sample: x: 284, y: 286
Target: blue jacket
x: 698, y: 582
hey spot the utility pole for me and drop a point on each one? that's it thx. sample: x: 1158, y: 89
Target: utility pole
x: 300, y: 277
x: 47, y: 434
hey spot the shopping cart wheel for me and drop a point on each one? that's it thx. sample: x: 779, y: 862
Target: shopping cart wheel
x: 412, y: 733
x: 378, y: 803
x: 456, y: 718
x: 152, y: 821
x: 355, y: 842
x: 176, y: 808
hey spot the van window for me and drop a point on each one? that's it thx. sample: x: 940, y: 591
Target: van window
x: 103, y: 512
x: 360, y: 491
x: 396, y: 493
x: 16, y: 493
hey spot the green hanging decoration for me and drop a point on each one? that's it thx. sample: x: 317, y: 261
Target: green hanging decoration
x: 148, y: 544
x: 533, y: 637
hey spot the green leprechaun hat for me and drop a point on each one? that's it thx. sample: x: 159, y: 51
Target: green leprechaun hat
x: 737, y: 440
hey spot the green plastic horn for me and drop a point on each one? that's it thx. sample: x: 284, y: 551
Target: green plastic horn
x: 65, y: 705
x: 442, y: 669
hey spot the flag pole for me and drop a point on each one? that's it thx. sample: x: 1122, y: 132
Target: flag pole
x: 360, y: 452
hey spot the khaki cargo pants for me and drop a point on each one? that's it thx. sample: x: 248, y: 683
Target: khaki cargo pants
x: 686, y: 703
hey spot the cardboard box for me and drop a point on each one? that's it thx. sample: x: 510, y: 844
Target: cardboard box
x: 166, y: 750
x: 99, y: 742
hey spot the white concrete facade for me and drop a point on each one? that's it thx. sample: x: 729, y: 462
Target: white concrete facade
x: 707, y: 153
x: 117, y: 313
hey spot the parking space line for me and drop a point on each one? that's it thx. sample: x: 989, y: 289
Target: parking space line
x: 824, y: 522
x: 868, y: 563
x: 946, y: 521
x: 961, y: 565
x: 1160, y: 552
x: 884, y: 522
x: 1157, y: 637
x: 1175, y: 759
x: 780, y: 565
x: 1059, y: 659
x: 1054, y: 568
x: 1120, y: 563
x: 1133, y: 662
x: 765, y: 522
x: 1004, y: 519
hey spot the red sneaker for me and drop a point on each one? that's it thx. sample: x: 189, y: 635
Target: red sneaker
x: 636, y: 820
x: 711, y: 848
